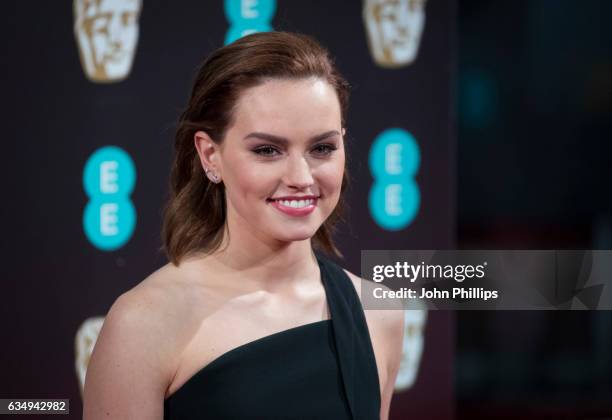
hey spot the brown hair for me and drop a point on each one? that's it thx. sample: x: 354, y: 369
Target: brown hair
x: 195, y: 214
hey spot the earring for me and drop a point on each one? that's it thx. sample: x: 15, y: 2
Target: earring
x: 214, y: 178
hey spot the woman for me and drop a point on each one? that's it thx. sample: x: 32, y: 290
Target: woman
x: 246, y: 320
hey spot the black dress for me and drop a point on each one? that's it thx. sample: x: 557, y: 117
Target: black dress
x: 321, y: 370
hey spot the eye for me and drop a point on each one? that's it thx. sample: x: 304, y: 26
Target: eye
x: 324, y: 149
x: 128, y: 18
x: 100, y: 25
x: 266, y: 151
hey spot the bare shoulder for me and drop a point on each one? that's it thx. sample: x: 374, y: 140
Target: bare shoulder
x: 161, y: 300
x: 133, y: 359
x: 153, y: 310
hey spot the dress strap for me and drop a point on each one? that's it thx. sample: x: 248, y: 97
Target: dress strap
x: 355, y: 352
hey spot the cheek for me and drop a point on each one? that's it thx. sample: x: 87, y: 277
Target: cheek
x: 330, y: 176
x: 245, y: 178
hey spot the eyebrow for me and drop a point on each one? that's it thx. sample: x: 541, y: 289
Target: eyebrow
x: 284, y: 141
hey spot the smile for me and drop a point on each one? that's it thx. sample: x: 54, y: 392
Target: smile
x: 295, y: 207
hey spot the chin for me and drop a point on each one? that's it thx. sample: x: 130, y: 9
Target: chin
x: 296, y: 235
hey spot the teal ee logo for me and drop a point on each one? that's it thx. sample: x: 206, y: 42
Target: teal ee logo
x: 394, y: 198
x: 247, y: 17
x: 108, y: 179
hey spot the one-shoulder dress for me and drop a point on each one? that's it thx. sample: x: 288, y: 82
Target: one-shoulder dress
x: 321, y: 370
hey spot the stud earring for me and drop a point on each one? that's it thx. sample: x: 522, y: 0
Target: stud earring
x: 212, y: 176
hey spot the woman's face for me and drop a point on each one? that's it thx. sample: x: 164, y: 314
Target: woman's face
x: 282, y: 161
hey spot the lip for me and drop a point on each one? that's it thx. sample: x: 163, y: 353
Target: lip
x: 291, y: 211
x: 295, y: 197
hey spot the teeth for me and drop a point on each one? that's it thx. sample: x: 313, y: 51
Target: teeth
x: 296, y: 204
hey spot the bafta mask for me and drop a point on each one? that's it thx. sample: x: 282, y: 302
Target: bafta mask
x: 84, y: 343
x: 414, y: 326
x: 107, y: 34
x: 394, y: 30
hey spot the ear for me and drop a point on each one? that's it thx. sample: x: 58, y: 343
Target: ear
x: 343, y: 131
x: 208, y: 151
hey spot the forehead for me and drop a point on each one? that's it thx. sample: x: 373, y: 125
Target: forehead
x: 118, y: 6
x: 390, y: 4
x: 288, y: 105
x: 400, y: 5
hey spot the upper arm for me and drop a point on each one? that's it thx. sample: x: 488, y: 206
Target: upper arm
x: 126, y: 378
x: 393, y: 333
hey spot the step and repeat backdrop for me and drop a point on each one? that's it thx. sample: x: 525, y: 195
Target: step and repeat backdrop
x: 97, y: 86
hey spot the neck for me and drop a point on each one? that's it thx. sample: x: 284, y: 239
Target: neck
x: 264, y: 263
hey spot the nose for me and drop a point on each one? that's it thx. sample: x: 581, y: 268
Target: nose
x: 298, y: 174
x: 115, y: 30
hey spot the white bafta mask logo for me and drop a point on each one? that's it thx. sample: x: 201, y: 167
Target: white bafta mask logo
x: 414, y: 340
x: 107, y: 34
x: 84, y: 343
x: 394, y: 29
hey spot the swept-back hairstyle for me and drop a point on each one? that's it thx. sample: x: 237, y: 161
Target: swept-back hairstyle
x: 194, y: 218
